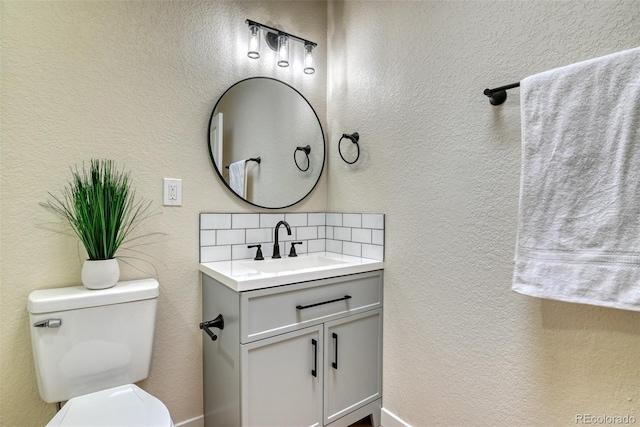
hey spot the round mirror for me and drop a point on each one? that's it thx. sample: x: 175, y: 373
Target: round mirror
x: 266, y: 142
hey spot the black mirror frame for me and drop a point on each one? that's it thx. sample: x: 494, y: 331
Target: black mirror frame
x: 324, y: 143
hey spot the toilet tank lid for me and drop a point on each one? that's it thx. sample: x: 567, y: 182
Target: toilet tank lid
x: 76, y: 297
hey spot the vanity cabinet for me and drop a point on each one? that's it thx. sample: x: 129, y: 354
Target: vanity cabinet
x: 305, y: 354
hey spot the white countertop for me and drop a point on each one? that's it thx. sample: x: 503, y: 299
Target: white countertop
x: 239, y: 276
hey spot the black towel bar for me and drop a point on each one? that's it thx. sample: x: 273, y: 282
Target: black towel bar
x: 498, y: 95
x: 252, y: 159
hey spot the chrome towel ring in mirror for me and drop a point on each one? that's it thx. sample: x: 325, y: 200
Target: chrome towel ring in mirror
x: 354, y: 137
x: 306, y: 150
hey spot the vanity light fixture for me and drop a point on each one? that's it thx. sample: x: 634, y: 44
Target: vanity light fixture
x: 278, y: 41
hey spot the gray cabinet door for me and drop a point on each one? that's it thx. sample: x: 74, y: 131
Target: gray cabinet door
x: 279, y: 385
x: 353, y: 362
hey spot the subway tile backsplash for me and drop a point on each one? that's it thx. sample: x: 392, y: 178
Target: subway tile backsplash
x: 225, y: 236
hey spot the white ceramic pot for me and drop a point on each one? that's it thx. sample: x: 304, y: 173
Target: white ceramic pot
x: 100, y: 274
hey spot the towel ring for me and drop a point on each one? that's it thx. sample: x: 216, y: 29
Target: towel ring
x: 306, y: 150
x: 354, y: 137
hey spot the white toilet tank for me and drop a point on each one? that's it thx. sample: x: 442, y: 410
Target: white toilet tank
x: 91, y: 340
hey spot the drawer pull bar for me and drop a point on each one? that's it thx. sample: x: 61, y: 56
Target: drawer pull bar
x: 314, y: 371
x: 302, y: 307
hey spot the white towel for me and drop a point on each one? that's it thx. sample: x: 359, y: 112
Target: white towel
x: 579, y: 219
x: 237, y: 178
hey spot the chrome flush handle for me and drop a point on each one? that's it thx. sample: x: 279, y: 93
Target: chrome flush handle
x: 49, y: 323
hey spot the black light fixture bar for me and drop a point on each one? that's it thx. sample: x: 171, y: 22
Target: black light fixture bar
x: 280, y: 32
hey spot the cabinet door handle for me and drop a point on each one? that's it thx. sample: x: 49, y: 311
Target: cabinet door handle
x: 302, y: 307
x: 314, y: 371
x: 335, y: 357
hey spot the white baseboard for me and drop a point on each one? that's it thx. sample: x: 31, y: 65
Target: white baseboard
x: 388, y: 419
x: 193, y: 422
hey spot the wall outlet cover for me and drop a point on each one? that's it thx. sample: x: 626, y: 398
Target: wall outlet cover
x: 172, y: 192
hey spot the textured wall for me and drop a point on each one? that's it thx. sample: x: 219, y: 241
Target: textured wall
x: 135, y: 82
x: 462, y: 349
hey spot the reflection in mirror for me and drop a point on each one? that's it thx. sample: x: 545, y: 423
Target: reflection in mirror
x: 265, y: 118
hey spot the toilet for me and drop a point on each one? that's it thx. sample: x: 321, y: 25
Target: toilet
x: 90, y: 346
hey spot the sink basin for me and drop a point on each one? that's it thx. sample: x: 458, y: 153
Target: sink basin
x: 292, y: 264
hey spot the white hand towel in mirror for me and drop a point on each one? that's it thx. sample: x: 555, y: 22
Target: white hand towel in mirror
x: 237, y: 179
x: 579, y: 218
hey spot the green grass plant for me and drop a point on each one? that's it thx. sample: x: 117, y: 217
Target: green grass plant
x: 101, y: 207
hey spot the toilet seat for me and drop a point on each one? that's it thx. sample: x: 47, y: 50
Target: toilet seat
x: 122, y: 406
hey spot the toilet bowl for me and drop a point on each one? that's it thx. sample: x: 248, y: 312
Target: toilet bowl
x: 123, y: 406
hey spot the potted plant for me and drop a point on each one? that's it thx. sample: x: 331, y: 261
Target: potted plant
x: 101, y: 208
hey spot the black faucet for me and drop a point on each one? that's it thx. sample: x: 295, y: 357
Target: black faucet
x: 276, y: 245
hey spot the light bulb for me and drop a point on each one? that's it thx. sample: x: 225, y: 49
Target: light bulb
x: 308, y: 59
x: 283, y: 51
x: 254, y: 42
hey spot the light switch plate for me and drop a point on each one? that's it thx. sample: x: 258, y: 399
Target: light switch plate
x: 172, y: 192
